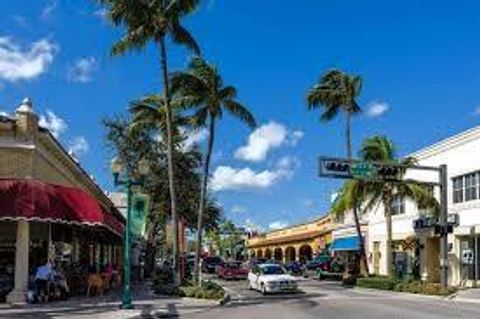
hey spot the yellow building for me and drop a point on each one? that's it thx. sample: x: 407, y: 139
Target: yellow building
x: 299, y: 242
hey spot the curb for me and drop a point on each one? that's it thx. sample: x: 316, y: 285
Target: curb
x: 405, y: 294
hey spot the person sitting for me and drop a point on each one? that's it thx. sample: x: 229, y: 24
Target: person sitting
x: 43, y: 276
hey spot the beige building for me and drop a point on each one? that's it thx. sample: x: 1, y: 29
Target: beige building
x: 49, y: 206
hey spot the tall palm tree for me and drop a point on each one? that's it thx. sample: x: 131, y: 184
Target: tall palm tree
x: 371, y: 193
x: 335, y: 92
x: 203, y: 86
x: 153, y: 20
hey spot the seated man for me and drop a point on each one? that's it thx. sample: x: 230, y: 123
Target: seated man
x: 42, y: 281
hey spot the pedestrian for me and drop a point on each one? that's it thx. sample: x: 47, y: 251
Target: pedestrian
x: 43, y: 276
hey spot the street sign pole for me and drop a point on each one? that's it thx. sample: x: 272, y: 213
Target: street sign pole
x: 443, y: 225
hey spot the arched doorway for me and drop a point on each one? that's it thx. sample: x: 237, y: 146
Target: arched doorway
x: 252, y: 254
x: 259, y: 253
x: 278, y: 254
x: 305, y: 253
x: 268, y: 253
x: 290, y: 253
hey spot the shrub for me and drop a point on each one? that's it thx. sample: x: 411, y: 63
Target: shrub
x: 209, y: 290
x: 382, y: 283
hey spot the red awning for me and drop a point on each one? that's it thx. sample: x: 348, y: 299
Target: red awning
x: 36, y: 200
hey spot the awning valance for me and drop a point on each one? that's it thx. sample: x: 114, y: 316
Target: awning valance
x: 345, y: 244
x: 37, y: 200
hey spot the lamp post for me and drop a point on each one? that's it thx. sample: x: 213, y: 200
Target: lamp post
x: 122, y: 178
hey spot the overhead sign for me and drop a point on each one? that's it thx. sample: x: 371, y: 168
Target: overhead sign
x: 363, y: 170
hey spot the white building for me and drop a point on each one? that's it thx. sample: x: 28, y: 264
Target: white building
x: 420, y: 250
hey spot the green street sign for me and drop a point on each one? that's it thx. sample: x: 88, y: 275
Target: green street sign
x: 363, y: 170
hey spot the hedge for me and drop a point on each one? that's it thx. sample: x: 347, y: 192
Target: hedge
x: 414, y: 286
x: 382, y: 283
x: 209, y: 290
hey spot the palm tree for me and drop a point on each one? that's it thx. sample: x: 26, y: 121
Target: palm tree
x: 371, y: 193
x: 203, y: 86
x: 337, y: 91
x: 147, y: 21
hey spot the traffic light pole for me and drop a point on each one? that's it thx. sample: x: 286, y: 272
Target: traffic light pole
x: 356, y: 169
x: 443, y: 225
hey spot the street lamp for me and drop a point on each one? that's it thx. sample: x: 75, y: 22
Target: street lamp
x: 122, y: 178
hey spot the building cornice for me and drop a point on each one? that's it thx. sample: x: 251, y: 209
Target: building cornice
x: 448, y: 143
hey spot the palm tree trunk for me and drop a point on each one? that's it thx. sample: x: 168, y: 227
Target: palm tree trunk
x: 388, y: 220
x: 348, y: 134
x: 171, y: 173
x: 361, y: 240
x: 203, y: 192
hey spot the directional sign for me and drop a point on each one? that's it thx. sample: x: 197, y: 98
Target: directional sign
x: 338, y: 168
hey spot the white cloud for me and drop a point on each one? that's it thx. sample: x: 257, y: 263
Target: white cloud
x: 49, y: 8
x: 277, y: 224
x: 228, y: 178
x: 79, y: 146
x: 295, y: 137
x: 55, y: 124
x: 376, y: 109
x: 261, y: 141
x: 195, y: 137
x: 24, y: 64
x: 266, y: 138
x: 237, y: 209
x: 287, y: 165
x: 82, y: 70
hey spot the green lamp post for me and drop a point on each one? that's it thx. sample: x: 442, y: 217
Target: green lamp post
x: 122, y: 178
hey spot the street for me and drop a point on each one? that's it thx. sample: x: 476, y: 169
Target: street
x: 329, y: 300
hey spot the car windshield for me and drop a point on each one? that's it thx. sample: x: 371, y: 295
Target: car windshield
x: 213, y: 260
x: 272, y: 270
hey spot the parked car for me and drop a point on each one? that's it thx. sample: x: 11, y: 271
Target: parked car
x: 209, y: 264
x: 271, y: 278
x: 321, y: 261
x: 232, y: 270
x: 294, y: 268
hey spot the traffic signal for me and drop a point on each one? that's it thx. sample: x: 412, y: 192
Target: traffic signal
x: 387, y: 171
x: 337, y: 166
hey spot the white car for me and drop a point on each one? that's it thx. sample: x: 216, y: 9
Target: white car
x: 271, y: 278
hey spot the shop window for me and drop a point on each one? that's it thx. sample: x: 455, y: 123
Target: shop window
x: 471, y: 182
x: 458, y: 189
x: 398, y: 205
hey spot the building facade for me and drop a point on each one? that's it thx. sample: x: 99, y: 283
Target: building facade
x: 299, y: 242
x: 417, y: 251
x: 50, y: 208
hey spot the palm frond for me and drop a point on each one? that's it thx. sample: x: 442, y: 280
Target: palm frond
x: 241, y: 112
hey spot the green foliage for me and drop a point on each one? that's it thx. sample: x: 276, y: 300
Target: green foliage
x: 132, y: 145
x: 414, y: 286
x: 209, y: 290
x: 336, y: 91
x: 378, y: 282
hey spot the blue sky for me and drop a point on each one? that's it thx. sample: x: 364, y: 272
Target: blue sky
x: 420, y: 61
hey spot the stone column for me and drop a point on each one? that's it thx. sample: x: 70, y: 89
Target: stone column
x: 19, y: 293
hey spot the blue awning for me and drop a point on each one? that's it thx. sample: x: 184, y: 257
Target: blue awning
x: 346, y: 243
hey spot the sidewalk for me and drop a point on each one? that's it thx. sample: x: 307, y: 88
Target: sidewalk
x: 471, y: 295
x: 147, y: 305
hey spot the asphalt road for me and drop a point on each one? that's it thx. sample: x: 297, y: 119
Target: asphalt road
x: 329, y: 300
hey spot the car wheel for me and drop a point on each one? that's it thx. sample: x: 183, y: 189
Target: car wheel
x: 263, y: 289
